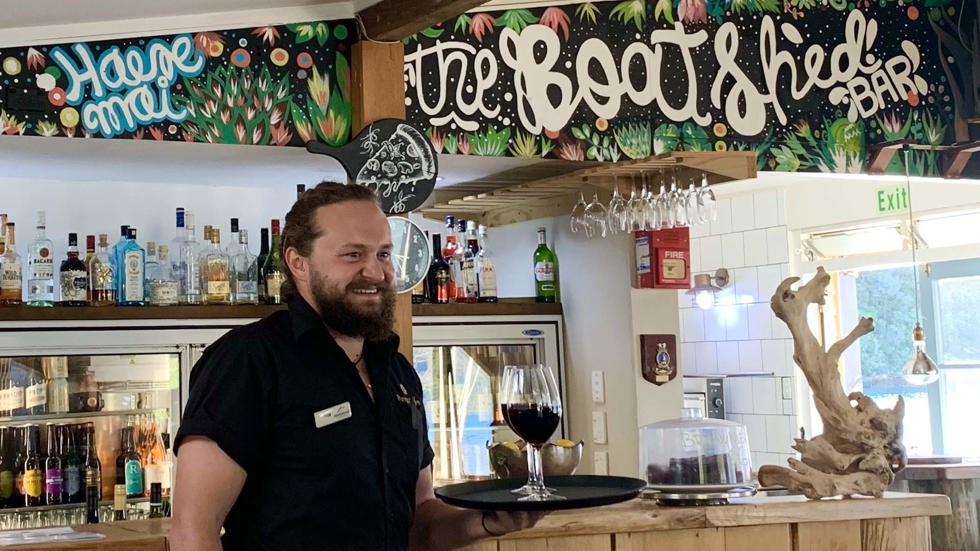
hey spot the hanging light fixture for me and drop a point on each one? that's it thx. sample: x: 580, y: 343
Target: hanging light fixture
x: 918, y: 369
x: 704, y: 291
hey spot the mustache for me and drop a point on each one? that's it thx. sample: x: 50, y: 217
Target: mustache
x: 383, y: 285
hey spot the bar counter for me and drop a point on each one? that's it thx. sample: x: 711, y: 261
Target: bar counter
x: 896, y: 522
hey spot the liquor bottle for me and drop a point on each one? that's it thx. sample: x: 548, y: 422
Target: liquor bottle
x: 438, y: 276
x: 116, y: 260
x: 11, y: 279
x: 545, y: 261
x: 456, y: 263
x: 187, y: 258
x: 418, y: 292
x: 232, y: 248
x: 156, y: 500
x: 245, y: 272
x: 215, y: 272
x: 54, y: 476
x: 35, y: 394
x: 132, y: 292
x: 11, y: 394
x: 448, y: 252
x: 149, y: 267
x: 74, y: 466
x: 163, y: 286
x: 7, y: 469
x: 176, y: 267
x: 87, y: 261
x: 33, y: 467
x: 486, y: 271
x: 56, y: 377
x: 274, y: 269
x: 119, y: 502
x: 260, y: 262
x: 17, y: 438
x: 129, y: 469
x: 74, y: 278
x: 92, y: 466
x: 468, y: 267
x: 101, y: 275
x: 40, y: 267
x: 300, y: 188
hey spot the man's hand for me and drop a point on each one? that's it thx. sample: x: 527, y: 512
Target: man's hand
x: 498, y: 523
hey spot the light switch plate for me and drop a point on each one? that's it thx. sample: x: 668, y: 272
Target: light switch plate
x: 598, y: 388
x: 600, y: 463
x: 598, y: 427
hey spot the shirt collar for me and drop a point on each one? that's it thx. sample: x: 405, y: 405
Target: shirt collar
x: 305, y: 320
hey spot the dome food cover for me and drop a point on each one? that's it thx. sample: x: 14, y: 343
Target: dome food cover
x: 693, y: 451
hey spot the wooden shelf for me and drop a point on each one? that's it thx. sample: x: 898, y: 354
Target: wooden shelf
x: 552, y: 190
x: 506, y: 307
x: 31, y: 313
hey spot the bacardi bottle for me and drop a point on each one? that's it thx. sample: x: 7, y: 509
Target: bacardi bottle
x: 40, y: 267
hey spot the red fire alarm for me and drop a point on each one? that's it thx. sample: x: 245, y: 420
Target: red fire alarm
x: 663, y: 258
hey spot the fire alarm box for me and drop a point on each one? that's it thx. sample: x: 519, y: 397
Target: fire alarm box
x: 663, y: 258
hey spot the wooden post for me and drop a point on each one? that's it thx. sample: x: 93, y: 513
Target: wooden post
x: 378, y: 92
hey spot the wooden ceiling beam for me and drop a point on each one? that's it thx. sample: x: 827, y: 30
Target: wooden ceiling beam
x: 391, y: 20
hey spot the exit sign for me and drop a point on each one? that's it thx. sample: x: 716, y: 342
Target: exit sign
x: 892, y: 199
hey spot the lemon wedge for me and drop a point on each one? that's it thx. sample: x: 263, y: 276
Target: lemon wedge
x: 565, y: 443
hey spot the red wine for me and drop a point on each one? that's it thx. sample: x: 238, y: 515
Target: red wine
x: 533, y: 423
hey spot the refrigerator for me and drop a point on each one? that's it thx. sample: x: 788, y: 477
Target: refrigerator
x: 459, y: 360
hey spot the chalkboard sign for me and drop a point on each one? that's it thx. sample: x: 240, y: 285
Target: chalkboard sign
x: 391, y: 157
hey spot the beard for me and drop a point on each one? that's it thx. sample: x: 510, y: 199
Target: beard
x: 338, y: 312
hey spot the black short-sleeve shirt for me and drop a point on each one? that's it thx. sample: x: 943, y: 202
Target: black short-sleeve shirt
x: 347, y: 485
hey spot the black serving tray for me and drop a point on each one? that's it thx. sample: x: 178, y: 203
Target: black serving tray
x: 579, y: 492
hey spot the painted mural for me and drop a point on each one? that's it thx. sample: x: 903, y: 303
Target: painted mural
x: 272, y: 85
x: 810, y: 85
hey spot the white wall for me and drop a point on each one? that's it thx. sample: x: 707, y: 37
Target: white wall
x: 741, y: 335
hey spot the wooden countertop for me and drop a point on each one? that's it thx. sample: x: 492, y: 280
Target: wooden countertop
x: 638, y: 515
x: 941, y: 471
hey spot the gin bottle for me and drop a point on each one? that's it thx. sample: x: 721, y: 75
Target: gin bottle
x: 132, y: 292
x: 40, y: 267
x: 101, y: 280
x: 11, y: 274
x: 116, y: 259
x: 215, y: 272
x: 180, y: 236
x: 162, y: 285
x: 74, y: 278
x: 245, y: 273
x: 187, y: 260
x: 232, y: 249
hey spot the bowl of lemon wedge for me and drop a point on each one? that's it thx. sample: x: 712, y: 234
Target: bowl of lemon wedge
x: 559, y: 458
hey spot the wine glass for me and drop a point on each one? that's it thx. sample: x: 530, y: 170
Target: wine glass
x: 707, y: 204
x: 577, y: 220
x: 596, y: 218
x: 532, y: 408
x: 618, y: 215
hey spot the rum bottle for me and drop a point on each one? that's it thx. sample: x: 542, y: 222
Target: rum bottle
x: 274, y: 269
x: 40, y: 267
x: 486, y: 271
x: 54, y: 478
x: 545, y: 264
x: 468, y: 267
x: 101, y: 278
x: 438, y: 277
x: 132, y: 291
x: 260, y: 262
x: 33, y: 467
x: 74, y: 278
x: 12, y: 274
x: 245, y: 272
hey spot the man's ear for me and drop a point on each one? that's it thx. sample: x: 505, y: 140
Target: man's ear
x: 297, y: 264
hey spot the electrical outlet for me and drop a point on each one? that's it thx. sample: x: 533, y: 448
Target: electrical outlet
x: 598, y: 427
x: 598, y: 388
x: 600, y: 463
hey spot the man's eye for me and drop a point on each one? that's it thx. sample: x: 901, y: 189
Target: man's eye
x: 385, y: 255
x: 354, y: 255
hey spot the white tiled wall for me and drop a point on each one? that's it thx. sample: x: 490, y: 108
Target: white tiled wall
x: 741, y: 334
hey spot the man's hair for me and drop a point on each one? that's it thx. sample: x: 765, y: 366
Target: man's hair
x: 301, y: 228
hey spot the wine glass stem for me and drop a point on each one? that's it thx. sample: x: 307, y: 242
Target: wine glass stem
x: 535, y: 473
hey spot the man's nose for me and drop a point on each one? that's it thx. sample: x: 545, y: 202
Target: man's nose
x: 375, y: 268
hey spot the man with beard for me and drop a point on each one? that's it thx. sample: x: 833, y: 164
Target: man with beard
x: 305, y: 430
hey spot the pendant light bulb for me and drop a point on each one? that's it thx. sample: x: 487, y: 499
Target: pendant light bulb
x: 920, y: 369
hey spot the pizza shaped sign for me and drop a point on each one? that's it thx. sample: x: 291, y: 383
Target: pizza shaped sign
x: 393, y: 158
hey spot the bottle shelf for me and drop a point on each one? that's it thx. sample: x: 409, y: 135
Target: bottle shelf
x: 505, y: 307
x: 76, y: 415
x: 213, y: 311
x: 64, y: 506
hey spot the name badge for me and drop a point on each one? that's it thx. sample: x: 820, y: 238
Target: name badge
x: 331, y: 415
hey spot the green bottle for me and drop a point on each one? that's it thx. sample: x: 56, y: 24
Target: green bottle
x: 545, y: 271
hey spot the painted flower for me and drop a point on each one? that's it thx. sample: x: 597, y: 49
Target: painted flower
x: 304, y: 129
x: 157, y: 133
x: 571, y: 151
x: 69, y: 131
x: 436, y: 139
x: 46, y: 129
x: 480, y: 24
x: 692, y: 11
x: 140, y: 132
x: 463, y: 145
x: 209, y: 42
x: 35, y: 59
x: 556, y: 19
x: 268, y: 34
x: 280, y: 134
x: 187, y: 135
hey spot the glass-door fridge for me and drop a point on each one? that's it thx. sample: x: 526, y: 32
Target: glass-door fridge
x: 459, y: 360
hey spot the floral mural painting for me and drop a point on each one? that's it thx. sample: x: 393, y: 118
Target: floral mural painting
x: 269, y: 85
x: 626, y: 79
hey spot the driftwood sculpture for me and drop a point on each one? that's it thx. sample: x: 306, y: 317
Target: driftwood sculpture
x: 861, y: 447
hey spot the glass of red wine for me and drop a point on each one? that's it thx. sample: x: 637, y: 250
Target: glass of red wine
x: 531, y: 406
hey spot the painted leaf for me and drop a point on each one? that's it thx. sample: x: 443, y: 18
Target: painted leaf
x: 516, y: 20
x: 304, y: 32
x: 694, y: 138
x: 665, y: 138
x: 433, y: 32
x: 665, y: 9
x: 587, y: 11
x: 343, y: 75
x: 462, y: 23
x: 630, y: 10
